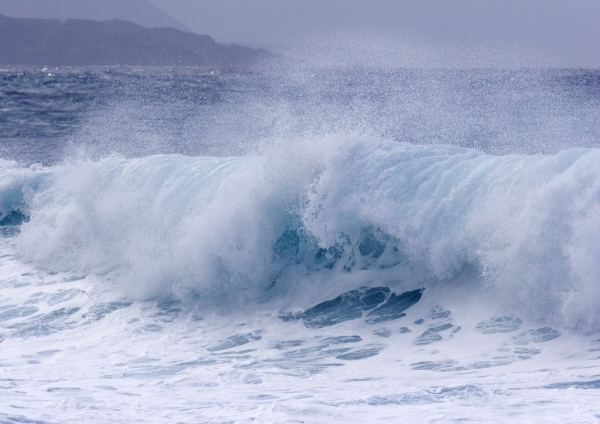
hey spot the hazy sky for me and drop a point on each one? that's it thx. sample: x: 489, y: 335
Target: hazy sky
x: 396, y: 33
x: 472, y: 32
x: 137, y: 11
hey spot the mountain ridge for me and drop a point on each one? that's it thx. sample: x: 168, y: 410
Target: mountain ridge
x: 140, y: 12
x: 78, y: 42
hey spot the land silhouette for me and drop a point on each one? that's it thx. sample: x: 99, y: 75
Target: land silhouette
x: 139, y: 12
x: 81, y: 42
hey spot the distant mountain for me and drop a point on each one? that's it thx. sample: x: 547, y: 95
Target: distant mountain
x: 75, y: 42
x: 139, y: 12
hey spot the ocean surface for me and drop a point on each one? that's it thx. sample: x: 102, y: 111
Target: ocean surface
x: 299, y: 245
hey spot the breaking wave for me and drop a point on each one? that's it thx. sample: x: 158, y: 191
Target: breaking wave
x: 310, y: 220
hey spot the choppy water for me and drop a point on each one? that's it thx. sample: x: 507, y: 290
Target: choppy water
x: 299, y: 246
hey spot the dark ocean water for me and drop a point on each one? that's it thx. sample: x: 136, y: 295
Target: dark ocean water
x: 46, y: 114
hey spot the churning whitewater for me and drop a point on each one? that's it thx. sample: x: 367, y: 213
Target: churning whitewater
x: 320, y: 278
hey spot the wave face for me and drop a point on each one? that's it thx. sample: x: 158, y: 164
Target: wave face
x: 309, y: 222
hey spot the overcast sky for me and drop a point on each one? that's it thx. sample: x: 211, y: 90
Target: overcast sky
x: 395, y: 33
